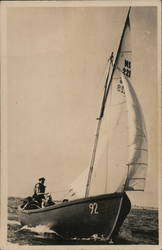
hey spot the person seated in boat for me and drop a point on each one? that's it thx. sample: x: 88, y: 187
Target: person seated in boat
x: 30, y: 203
x: 47, y: 201
x: 39, y: 191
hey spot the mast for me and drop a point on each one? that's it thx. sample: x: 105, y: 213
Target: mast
x: 118, y: 51
x: 98, y: 127
x: 106, y: 92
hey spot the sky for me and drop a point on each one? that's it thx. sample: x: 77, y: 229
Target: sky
x: 56, y: 60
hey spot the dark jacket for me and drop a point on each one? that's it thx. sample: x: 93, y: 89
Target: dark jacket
x: 39, y: 188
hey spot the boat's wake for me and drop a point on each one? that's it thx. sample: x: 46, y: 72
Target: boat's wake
x: 13, y: 222
x: 38, y: 235
x: 43, y: 232
x: 40, y: 229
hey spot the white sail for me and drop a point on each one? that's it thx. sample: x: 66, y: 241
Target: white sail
x: 109, y: 167
x: 77, y: 188
x: 138, y: 146
x: 122, y: 141
x: 114, y: 136
x: 137, y: 142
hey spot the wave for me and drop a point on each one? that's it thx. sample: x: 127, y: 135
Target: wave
x: 13, y: 222
x: 40, y: 229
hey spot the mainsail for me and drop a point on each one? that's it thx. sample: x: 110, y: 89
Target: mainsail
x: 113, y: 142
x: 120, y: 160
x: 137, y: 139
x: 138, y: 148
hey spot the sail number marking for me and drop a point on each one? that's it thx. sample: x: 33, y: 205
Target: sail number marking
x: 93, y: 208
x: 126, y: 72
x: 127, y: 68
x: 120, y: 87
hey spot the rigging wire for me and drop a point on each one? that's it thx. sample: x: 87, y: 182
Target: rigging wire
x: 110, y: 60
x: 108, y: 148
x: 106, y: 92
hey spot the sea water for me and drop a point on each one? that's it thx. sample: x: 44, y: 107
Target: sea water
x: 140, y: 227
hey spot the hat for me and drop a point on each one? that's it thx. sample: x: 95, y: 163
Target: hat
x: 42, y: 178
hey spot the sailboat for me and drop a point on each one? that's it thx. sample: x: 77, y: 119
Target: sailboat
x: 120, y: 138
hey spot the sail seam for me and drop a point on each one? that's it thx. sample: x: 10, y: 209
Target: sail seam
x: 142, y: 135
x: 126, y: 51
x: 138, y: 163
x: 142, y: 149
x: 137, y: 178
x: 138, y: 149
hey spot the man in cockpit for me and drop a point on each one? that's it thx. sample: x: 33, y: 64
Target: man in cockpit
x: 39, y: 191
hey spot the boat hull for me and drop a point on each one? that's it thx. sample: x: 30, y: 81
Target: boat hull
x: 102, y: 214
